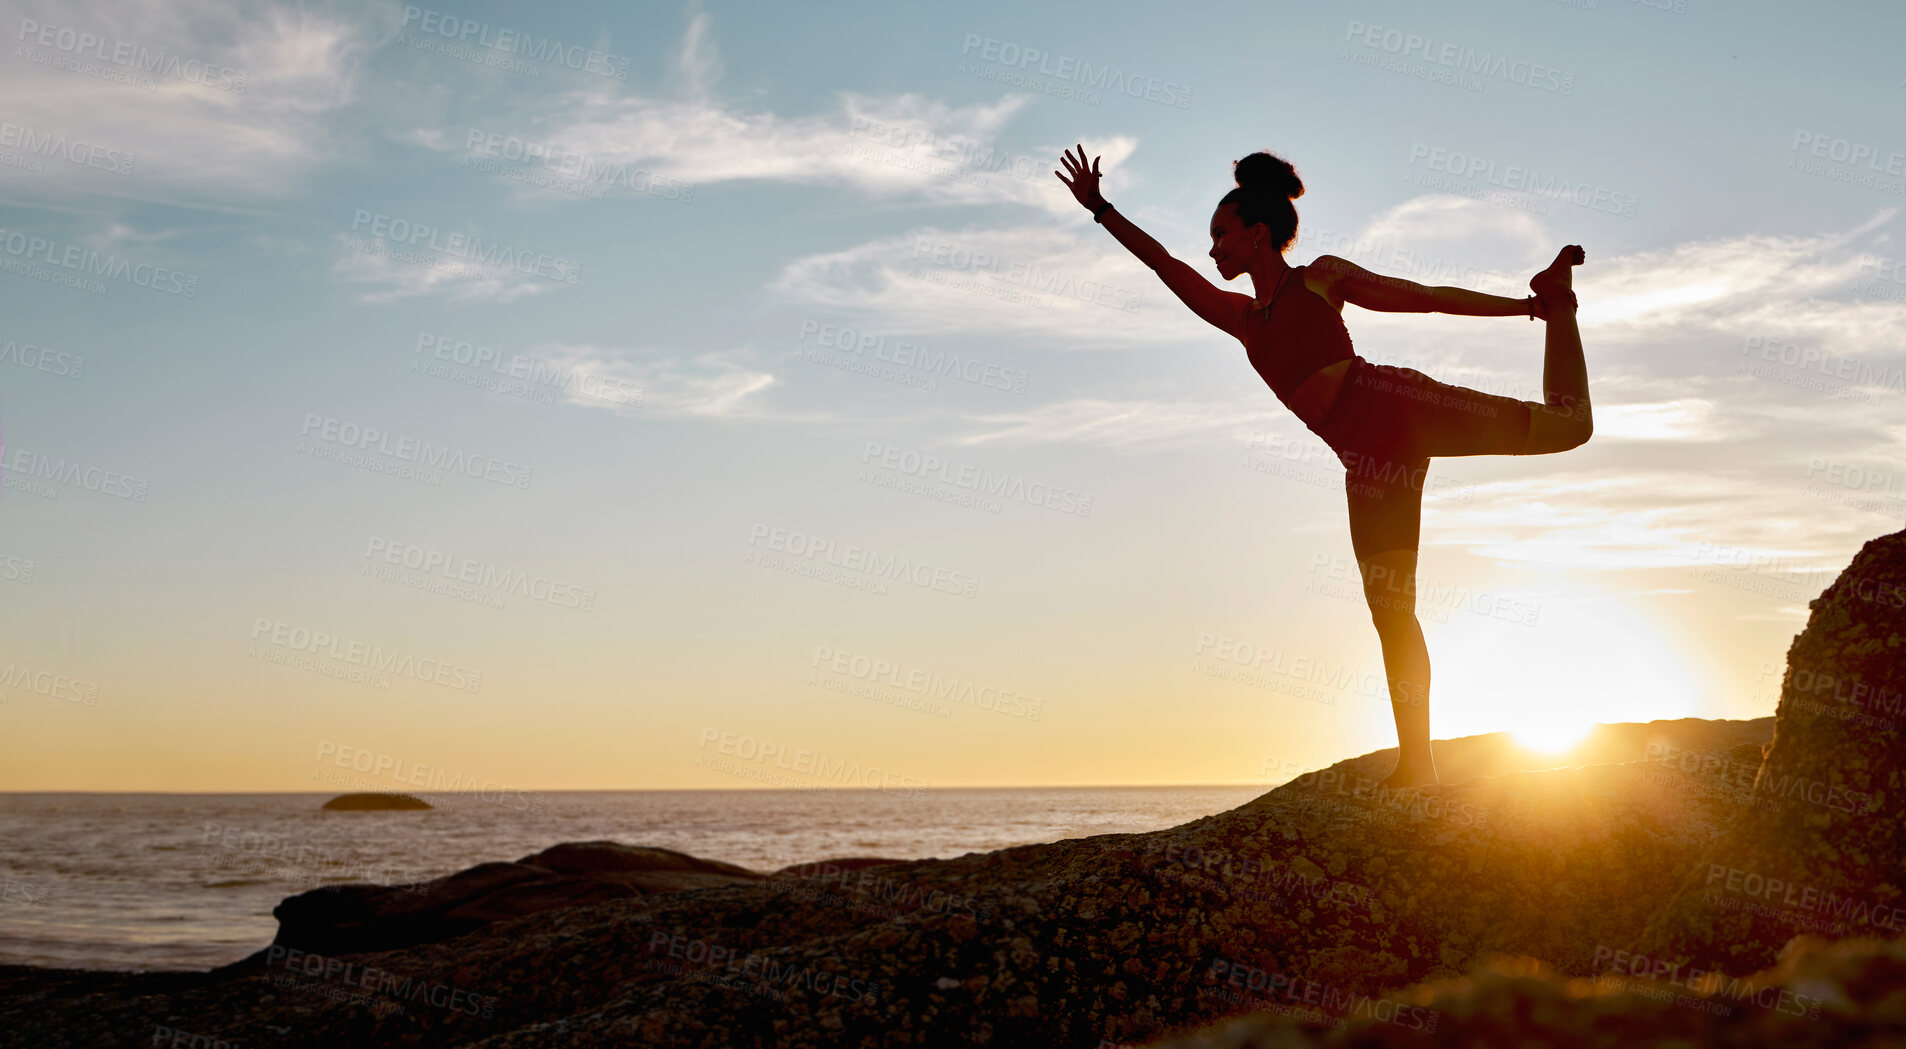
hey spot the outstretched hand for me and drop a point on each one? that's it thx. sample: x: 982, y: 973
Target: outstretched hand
x: 1084, y: 183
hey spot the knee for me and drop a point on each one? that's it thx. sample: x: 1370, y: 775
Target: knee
x: 1391, y: 612
x: 1580, y: 430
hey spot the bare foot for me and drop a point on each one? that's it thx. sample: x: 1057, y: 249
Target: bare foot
x: 1552, y: 285
x: 1406, y: 777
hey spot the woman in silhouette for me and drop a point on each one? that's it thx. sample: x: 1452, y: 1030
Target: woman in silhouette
x: 1384, y: 423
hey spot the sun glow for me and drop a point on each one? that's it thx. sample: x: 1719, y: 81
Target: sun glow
x: 1583, y: 662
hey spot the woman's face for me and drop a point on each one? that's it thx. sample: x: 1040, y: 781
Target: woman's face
x: 1232, y: 246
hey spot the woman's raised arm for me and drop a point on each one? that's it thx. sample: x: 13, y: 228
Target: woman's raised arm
x: 1222, y: 309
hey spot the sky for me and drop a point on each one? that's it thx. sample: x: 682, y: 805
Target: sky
x: 726, y: 395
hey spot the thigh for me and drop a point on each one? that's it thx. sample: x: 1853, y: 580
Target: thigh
x: 1386, y: 504
x: 1456, y: 420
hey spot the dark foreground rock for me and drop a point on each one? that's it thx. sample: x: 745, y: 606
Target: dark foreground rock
x: 376, y: 802
x: 1378, y: 914
x: 1111, y: 938
x: 1822, y: 849
x: 345, y: 919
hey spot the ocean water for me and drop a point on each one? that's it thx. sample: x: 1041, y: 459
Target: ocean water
x: 188, y: 881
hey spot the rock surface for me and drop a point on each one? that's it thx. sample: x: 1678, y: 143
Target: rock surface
x: 376, y: 802
x: 344, y: 919
x: 1820, y: 850
x: 1110, y: 938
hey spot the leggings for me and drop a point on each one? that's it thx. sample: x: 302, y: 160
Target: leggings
x: 1387, y: 423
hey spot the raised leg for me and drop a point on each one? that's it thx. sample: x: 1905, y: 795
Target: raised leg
x: 1564, y: 421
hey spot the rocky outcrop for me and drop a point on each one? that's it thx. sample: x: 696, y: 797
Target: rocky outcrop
x: 1818, y: 849
x: 1517, y: 903
x: 376, y: 802
x: 1117, y: 937
x: 347, y: 919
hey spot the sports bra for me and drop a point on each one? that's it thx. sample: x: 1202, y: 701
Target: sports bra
x: 1294, y: 335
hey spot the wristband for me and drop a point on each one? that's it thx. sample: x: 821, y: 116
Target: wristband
x: 1098, y: 213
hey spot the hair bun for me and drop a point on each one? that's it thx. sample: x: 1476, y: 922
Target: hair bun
x: 1268, y: 173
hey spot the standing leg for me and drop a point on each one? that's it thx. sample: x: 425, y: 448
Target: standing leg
x: 1386, y: 508
x: 1564, y: 422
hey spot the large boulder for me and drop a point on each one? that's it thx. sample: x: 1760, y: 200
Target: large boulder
x: 345, y: 919
x: 1819, y: 848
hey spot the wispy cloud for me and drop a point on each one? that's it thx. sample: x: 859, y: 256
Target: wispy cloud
x: 651, y: 383
x: 892, y: 148
x: 207, y: 100
x: 1152, y: 425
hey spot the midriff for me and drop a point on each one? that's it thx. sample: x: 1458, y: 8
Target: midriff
x: 1313, y: 398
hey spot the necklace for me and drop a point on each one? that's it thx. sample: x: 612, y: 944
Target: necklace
x: 1279, y: 286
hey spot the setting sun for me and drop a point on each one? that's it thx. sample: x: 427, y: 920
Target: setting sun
x: 1587, y: 660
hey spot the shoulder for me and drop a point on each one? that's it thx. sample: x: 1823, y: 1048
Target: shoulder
x: 1332, y: 268
x: 1326, y: 274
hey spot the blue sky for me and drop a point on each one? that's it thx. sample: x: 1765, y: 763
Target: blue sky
x: 566, y: 396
